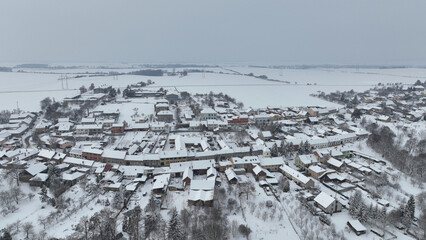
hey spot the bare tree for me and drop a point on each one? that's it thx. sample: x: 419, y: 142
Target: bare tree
x: 13, y: 173
x: 28, y: 229
x: 16, y: 193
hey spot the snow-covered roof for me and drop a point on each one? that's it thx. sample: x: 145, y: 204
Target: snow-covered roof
x: 271, y: 161
x: 200, y: 195
x: 230, y: 174
x: 203, y: 164
x: 79, y: 161
x: 308, y: 159
x: 202, y: 185
x: 72, y: 176
x: 188, y: 173
x: 93, y: 151
x: 41, y: 177
x: 108, y: 153
x: 48, y: 154
x: 316, y: 169
x: 36, y: 168
x: 208, y: 111
x: 295, y: 174
x: 334, y: 162
x: 324, y: 199
x: 161, y: 181
x: 357, y: 225
x: 257, y: 169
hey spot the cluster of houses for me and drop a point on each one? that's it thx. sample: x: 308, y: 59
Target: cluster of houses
x: 182, y: 151
x: 18, y: 125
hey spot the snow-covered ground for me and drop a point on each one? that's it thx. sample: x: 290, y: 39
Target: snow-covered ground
x: 251, y: 91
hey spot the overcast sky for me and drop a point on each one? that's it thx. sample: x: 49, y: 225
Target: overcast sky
x: 220, y: 31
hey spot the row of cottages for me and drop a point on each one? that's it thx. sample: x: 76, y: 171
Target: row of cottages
x: 327, y: 203
x: 19, y: 154
x: 297, y: 176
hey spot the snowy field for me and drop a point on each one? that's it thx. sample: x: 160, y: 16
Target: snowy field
x: 251, y: 91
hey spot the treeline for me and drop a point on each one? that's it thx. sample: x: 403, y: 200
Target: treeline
x: 197, y: 223
x: 177, y: 66
x: 382, y: 140
x: 32, y: 65
x: 403, y: 216
x: 148, y: 72
x: 5, y: 69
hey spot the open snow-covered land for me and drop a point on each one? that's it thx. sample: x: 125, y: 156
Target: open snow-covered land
x: 251, y: 91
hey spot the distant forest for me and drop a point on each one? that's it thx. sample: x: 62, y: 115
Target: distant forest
x: 148, y: 72
x: 5, y: 69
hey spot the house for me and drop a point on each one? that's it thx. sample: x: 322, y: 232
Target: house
x: 75, y: 152
x: 202, y: 197
x: 231, y: 176
x: 201, y: 166
x: 160, y: 183
x: 206, y: 185
x: 39, y: 179
x: 88, y: 129
x: 113, y: 156
x: 272, y: 164
x: 46, y: 155
x: 304, y: 161
x: 327, y: 203
x: 312, y: 120
x: 161, y: 107
x: 207, y: 114
x: 136, y: 127
x: 316, y: 171
x: 247, y: 162
x: 297, y: 177
x: 64, y: 144
x: 87, y: 121
x: 117, y: 128
x: 92, y: 154
x: 72, y: 178
x: 64, y: 127
x: 165, y: 116
x: 223, y: 165
x: 262, y: 119
x: 211, y: 173
x: 357, y: 227
x: 266, y: 135
x: 335, y: 164
x: 158, y: 126
x: 259, y: 172
x: 32, y: 171
x: 188, y: 175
